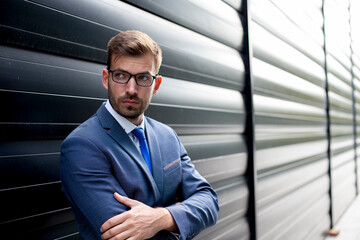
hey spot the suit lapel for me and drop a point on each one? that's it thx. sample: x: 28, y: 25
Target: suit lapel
x: 114, y: 129
x: 156, y: 160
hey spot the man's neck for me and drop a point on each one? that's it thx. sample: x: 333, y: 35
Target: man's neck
x: 125, y: 123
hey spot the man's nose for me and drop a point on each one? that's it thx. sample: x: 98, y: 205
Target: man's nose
x: 131, y: 86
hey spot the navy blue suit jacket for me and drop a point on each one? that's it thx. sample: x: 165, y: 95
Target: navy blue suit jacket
x: 98, y: 158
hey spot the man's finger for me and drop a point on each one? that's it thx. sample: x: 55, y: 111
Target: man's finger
x: 126, y: 201
x: 116, y: 220
x: 120, y: 231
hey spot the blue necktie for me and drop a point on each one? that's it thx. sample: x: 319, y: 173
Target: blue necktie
x: 139, y: 133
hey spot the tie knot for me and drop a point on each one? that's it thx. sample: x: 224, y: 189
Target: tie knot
x: 139, y: 133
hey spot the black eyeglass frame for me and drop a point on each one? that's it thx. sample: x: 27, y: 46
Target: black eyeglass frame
x: 132, y: 75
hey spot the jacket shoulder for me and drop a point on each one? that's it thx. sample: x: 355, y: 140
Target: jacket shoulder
x: 160, y: 127
x: 87, y: 128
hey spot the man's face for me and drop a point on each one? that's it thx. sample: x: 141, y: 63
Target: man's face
x: 131, y: 100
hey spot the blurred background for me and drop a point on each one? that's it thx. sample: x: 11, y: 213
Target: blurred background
x: 264, y: 94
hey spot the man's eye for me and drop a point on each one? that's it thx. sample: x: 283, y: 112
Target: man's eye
x: 143, y: 77
x: 119, y: 75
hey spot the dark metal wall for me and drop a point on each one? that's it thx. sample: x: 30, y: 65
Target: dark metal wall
x: 51, y: 61
x: 51, y: 57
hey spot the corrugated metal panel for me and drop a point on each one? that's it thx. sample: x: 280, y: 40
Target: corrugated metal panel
x: 221, y: 158
x: 50, y: 81
x: 357, y: 129
x: 355, y: 58
x: 337, y: 30
x: 290, y: 119
x: 51, y: 62
x: 215, y: 19
x: 38, y: 114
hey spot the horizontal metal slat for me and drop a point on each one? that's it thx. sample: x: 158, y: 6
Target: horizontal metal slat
x: 39, y: 108
x: 24, y: 171
x: 278, y: 53
x: 198, y: 96
x: 205, y: 146
x: 343, y: 191
x: 49, y: 225
x: 339, y: 103
x: 315, y: 213
x: 280, y: 182
x: 272, y: 107
x: 277, y: 83
x: 307, y: 38
x: 208, y: 61
x: 335, y: 67
x: 223, y: 167
x: 307, y: 15
x: 283, y: 155
x: 31, y: 71
x: 214, y: 19
x: 276, y: 218
x: 39, y: 200
x: 233, y: 194
x: 234, y: 229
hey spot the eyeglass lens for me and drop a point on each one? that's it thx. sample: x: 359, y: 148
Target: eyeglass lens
x: 141, y: 79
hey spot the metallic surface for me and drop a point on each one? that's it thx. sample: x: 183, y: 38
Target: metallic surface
x: 51, y: 57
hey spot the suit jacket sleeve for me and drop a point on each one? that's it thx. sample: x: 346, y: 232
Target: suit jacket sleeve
x: 199, y: 207
x: 89, y: 185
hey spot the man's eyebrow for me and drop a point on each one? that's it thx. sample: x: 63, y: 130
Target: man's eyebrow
x: 145, y: 72
x: 119, y: 69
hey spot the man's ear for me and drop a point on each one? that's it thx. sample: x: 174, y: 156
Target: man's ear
x: 158, y: 80
x: 105, y: 78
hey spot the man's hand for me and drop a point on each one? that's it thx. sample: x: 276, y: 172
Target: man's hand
x: 140, y: 222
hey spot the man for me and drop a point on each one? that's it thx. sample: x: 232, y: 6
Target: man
x: 120, y: 183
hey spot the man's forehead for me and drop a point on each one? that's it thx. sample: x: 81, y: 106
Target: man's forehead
x: 145, y: 60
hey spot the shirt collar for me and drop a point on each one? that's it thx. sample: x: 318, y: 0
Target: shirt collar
x: 124, y: 123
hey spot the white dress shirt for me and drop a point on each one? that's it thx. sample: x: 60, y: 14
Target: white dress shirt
x: 125, y: 124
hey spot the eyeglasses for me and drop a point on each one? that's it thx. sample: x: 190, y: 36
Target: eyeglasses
x: 123, y: 77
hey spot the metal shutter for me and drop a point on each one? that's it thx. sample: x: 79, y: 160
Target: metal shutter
x: 200, y: 99
x: 290, y: 119
x: 338, y: 53
x: 51, y: 57
x: 52, y: 61
x: 355, y: 58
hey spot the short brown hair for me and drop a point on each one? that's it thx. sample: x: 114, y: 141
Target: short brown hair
x: 134, y: 43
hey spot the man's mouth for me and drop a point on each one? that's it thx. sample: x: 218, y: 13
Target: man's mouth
x: 129, y: 102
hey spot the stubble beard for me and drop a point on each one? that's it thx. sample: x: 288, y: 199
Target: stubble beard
x: 128, y: 112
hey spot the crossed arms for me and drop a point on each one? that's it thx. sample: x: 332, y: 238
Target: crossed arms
x: 140, y: 222
x: 88, y: 175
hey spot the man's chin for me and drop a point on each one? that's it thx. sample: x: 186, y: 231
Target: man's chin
x: 130, y: 115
